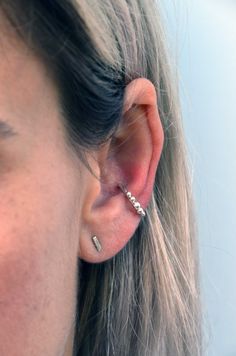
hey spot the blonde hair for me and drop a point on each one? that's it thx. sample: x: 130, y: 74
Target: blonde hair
x: 145, y: 300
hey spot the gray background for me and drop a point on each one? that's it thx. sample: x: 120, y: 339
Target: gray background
x: 202, y: 34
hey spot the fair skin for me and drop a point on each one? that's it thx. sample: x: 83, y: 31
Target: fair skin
x: 50, y: 205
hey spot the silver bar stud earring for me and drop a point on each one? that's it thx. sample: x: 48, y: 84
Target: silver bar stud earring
x: 133, y: 201
x: 96, y: 243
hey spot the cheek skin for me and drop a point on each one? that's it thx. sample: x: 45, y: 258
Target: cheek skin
x: 38, y: 262
x: 39, y: 211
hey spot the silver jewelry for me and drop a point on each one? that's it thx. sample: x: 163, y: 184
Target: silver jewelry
x: 96, y: 243
x: 133, y: 201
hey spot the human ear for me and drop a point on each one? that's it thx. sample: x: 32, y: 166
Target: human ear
x: 131, y: 159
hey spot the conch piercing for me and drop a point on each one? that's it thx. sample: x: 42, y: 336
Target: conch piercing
x: 133, y: 201
x: 137, y: 207
x: 96, y: 243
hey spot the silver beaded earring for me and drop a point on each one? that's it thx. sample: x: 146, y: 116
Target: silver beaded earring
x: 96, y: 243
x: 137, y: 207
x: 133, y: 201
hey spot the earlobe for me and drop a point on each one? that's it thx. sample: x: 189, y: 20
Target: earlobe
x: 118, y: 201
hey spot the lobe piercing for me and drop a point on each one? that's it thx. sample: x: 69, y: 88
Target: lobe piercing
x: 96, y: 243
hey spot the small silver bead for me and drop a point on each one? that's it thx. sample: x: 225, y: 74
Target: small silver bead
x: 132, y: 199
x: 137, y: 205
x: 129, y: 195
x: 141, y: 212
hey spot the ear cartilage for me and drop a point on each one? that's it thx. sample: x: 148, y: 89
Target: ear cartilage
x: 133, y: 201
x: 96, y: 243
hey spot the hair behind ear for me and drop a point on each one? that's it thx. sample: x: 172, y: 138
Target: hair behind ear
x: 146, y: 299
x: 130, y: 295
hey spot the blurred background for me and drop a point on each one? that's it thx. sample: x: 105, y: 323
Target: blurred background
x: 202, y: 35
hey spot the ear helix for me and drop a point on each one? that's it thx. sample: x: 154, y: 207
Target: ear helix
x: 135, y: 204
